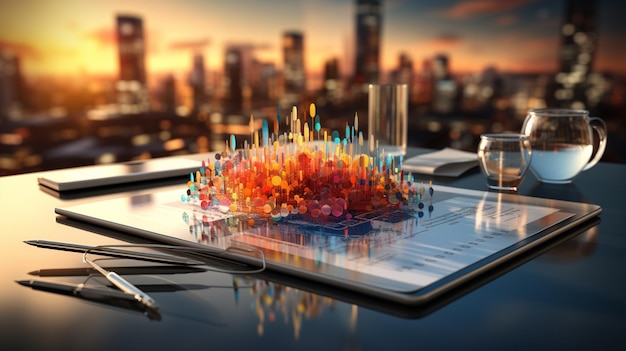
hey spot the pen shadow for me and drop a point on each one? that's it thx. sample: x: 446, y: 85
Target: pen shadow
x: 101, y: 296
x: 370, y: 302
x: 104, y: 294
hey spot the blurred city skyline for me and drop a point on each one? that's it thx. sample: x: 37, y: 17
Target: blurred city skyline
x: 69, y: 38
x: 109, y: 81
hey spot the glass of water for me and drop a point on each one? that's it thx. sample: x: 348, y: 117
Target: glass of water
x: 504, y: 159
x: 564, y: 141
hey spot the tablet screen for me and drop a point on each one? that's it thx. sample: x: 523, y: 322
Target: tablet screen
x: 393, y: 252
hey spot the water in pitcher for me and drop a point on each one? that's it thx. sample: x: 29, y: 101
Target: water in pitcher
x: 561, y: 163
x: 563, y: 141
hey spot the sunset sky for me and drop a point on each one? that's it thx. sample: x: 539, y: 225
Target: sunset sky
x: 72, y: 37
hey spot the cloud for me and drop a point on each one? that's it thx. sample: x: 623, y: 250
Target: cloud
x: 506, y: 20
x: 539, y: 54
x: 442, y: 43
x: 445, y: 40
x: 107, y: 38
x: 21, y: 50
x: 260, y: 46
x: 190, y: 44
x: 472, y: 8
x: 104, y: 36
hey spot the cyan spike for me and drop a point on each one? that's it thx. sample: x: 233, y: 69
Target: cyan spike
x: 266, y: 133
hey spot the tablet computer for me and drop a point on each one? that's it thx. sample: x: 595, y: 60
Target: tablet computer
x: 408, y: 255
x: 90, y: 177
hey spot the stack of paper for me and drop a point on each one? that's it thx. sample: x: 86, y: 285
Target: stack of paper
x: 447, y: 162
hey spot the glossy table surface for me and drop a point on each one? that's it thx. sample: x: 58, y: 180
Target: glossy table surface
x: 570, y: 294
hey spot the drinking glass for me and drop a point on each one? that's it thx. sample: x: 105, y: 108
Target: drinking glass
x: 387, y: 117
x: 563, y: 142
x: 504, y: 159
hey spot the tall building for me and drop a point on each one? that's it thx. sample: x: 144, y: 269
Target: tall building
x: 10, y: 86
x: 332, y: 89
x: 441, y: 67
x: 132, y: 90
x: 445, y: 87
x: 168, y: 95
x: 404, y: 72
x: 293, y: 70
x: 233, y: 79
x: 368, y: 37
x: 197, y: 78
x: 263, y: 81
x: 578, y: 42
x: 424, y: 84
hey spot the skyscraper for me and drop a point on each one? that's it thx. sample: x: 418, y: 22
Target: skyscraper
x: 578, y: 41
x: 233, y: 70
x: 293, y: 59
x: 425, y: 83
x: 168, y: 95
x: 131, y: 86
x: 404, y: 72
x: 368, y: 36
x: 197, y: 78
x: 441, y: 67
x: 263, y: 81
x: 10, y: 85
x: 445, y: 88
x: 331, y: 89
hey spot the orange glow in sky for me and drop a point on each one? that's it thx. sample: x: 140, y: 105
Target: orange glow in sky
x: 73, y: 37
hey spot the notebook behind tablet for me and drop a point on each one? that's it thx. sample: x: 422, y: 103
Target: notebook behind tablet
x: 119, y: 173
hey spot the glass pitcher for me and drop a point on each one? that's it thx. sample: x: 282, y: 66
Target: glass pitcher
x: 562, y: 141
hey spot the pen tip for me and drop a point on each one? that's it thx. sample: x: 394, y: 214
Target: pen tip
x: 34, y: 273
x: 23, y: 282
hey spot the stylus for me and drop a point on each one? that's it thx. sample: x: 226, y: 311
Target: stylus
x: 139, y: 270
x: 124, y: 285
x: 113, y: 252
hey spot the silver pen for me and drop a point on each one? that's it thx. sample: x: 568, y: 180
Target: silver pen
x: 124, y: 285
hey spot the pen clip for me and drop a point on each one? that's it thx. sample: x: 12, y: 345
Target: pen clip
x: 123, y: 284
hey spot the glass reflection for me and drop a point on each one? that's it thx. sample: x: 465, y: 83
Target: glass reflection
x: 276, y: 303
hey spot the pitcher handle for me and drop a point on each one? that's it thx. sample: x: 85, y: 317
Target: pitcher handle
x: 599, y: 126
